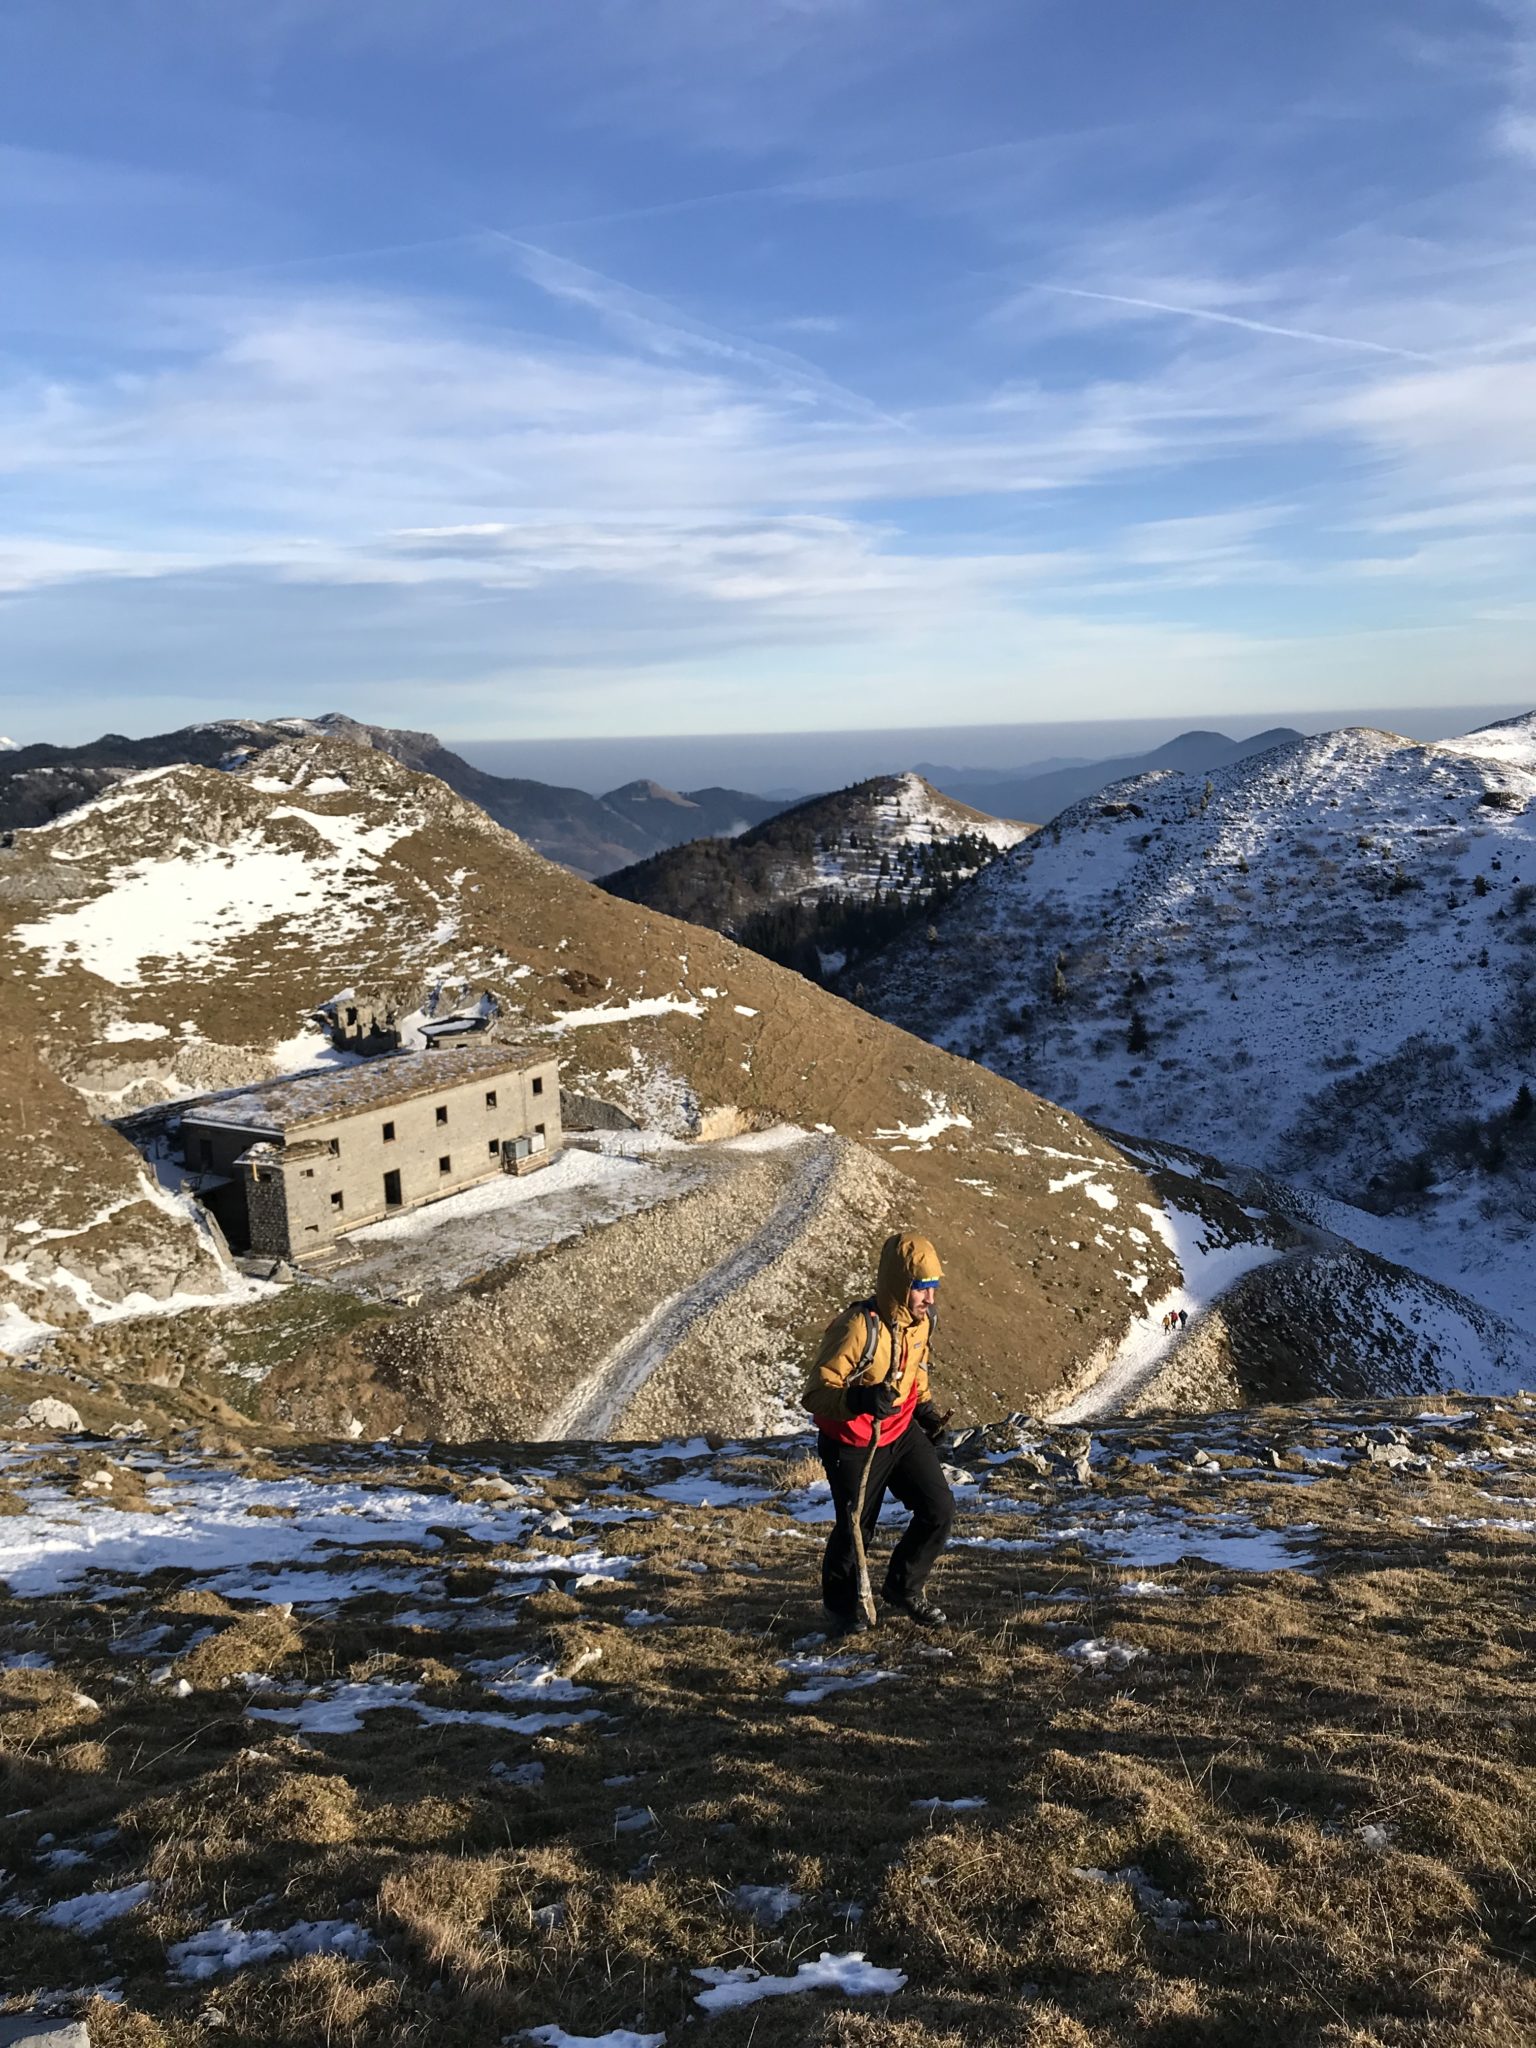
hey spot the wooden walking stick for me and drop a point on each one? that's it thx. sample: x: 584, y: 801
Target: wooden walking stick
x: 861, y: 1558
x: 866, y: 1590
x: 861, y: 1378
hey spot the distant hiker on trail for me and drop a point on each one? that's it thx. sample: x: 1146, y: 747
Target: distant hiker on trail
x: 867, y: 1387
x: 1183, y: 1317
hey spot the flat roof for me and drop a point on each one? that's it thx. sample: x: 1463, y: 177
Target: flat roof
x: 323, y: 1093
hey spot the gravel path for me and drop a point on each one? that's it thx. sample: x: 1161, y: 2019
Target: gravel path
x: 593, y: 1407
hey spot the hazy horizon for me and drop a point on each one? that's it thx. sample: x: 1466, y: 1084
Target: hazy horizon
x: 760, y: 763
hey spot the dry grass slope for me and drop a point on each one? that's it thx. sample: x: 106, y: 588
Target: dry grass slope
x: 1303, y: 1817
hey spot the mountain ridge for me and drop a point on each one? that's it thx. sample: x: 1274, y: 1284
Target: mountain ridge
x: 583, y: 832
x: 824, y: 880
x: 1043, y: 795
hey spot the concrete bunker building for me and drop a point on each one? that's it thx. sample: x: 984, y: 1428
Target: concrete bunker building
x: 290, y: 1165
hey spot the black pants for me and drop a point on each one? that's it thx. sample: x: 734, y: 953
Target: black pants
x: 909, y: 1468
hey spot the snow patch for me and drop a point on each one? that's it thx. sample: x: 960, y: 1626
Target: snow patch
x: 92, y: 1911
x: 637, y: 1006
x: 850, y: 1975
x: 223, y: 1946
x: 941, y: 1119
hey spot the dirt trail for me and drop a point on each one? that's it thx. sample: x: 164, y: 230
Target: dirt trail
x: 593, y: 1407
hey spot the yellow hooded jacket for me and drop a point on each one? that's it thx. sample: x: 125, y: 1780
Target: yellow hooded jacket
x: 901, y: 1347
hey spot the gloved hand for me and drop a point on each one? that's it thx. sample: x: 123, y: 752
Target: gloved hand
x: 878, y: 1400
x: 930, y: 1420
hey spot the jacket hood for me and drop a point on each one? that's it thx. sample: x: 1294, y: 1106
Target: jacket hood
x: 904, y: 1260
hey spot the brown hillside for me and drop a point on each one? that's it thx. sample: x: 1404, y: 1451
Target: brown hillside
x: 384, y: 880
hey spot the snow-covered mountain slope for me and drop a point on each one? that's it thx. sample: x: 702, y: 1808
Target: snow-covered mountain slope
x: 1512, y: 741
x: 1321, y: 961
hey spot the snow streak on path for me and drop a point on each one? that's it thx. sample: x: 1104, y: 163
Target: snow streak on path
x: 1147, y: 1347
x: 593, y: 1408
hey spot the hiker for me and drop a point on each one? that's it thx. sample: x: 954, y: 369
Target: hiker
x: 867, y: 1388
x: 1183, y: 1317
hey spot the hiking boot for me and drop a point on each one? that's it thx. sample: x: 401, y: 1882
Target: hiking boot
x: 838, y: 1625
x: 916, y: 1608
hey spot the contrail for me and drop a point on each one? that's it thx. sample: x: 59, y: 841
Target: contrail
x: 1375, y: 348
x: 822, y: 184
x: 606, y: 296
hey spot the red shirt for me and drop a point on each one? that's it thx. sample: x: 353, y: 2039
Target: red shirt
x: 858, y: 1429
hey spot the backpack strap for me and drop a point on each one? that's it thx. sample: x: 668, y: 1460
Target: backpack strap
x: 871, y: 1340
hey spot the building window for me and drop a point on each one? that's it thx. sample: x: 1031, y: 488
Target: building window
x: 490, y: 1098
x: 442, y: 1112
x: 336, y: 1201
x: 495, y: 1145
x: 389, y: 1134
x: 335, y: 1148
x: 445, y: 1164
x: 351, y: 1016
x: 538, y: 1084
x: 205, y: 1147
x: 309, y: 1173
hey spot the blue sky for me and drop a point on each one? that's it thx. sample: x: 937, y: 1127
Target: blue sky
x: 625, y: 366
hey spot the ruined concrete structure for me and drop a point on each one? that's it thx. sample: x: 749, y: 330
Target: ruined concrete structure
x: 359, y: 1024
x: 289, y: 1165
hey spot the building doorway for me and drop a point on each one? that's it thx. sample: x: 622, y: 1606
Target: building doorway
x: 392, y: 1189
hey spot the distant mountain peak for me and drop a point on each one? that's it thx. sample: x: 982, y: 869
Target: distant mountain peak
x: 644, y: 791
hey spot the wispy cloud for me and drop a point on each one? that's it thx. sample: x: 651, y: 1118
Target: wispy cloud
x: 1178, y: 388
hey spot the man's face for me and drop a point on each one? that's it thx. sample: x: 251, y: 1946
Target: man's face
x: 920, y: 1302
